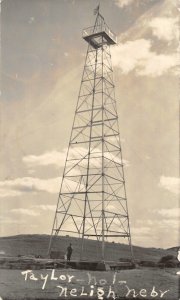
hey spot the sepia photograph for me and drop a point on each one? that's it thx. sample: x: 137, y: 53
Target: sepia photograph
x: 89, y: 135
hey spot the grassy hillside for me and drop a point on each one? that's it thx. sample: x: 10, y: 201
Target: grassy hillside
x: 38, y: 245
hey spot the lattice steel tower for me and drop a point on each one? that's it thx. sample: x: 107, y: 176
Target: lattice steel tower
x: 92, y: 200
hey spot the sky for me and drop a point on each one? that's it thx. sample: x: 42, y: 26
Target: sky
x: 42, y: 57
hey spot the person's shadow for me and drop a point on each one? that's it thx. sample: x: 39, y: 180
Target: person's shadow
x: 178, y: 257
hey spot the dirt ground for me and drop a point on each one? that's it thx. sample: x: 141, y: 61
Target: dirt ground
x: 143, y: 283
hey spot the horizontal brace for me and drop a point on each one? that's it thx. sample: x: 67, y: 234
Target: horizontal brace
x: 88, y: 125
x: 93, y: 192
x: 108, y: 235
x: 99, y: 49
x: 111, y: 119
x: 78, y: 159
x: 108, y: 135
x: 86, y: 95
x: 112, y: 151
x: 70, y: 198
x: 96, y: 123
x: 67, y: 231
x: 101, y: 77
x: 113, y: 213
x: 92, y: 153
x: 98, y: 139
x: 87, y: 217
x: 82, y: 175
x: 71, y: 215
x: 80, y: 193
x: 95, y: 235
x: 85, y: 142
x: 87, y: 110
x: 98, y: 92
x: 116, y: 215
x: 96, y: 78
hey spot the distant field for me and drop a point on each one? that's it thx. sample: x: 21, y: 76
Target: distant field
x: 147, y: 284
x: 38, y: 245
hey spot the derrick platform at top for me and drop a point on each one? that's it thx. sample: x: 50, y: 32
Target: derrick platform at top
x: 99, y: 34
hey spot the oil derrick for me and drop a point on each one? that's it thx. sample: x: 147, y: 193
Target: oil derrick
x: 92, y: 201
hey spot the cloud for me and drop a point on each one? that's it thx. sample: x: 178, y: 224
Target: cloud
x: 169, y: 225
x: 54, y: 157
x: 31, y: 20
x: 24, y: 211
x: 110, y: 207
x: 165, y: 29
x: 149, y: 232
x: 141, y: 231
x: 31, y: 171
x: 138, y: 56
x: 123, y: 3
x: 11, y: 221
x: 45, y: 207
x: 18, y: 186
x: 171, y: 184
x: 57, y: 158
x: 157, y: 65
x: 169, y: 213
x: 4, y: 192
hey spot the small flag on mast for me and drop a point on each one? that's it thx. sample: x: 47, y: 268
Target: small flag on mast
x: 96, y: 10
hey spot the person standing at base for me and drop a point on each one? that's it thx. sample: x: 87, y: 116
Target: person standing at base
x: 69, y: 252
